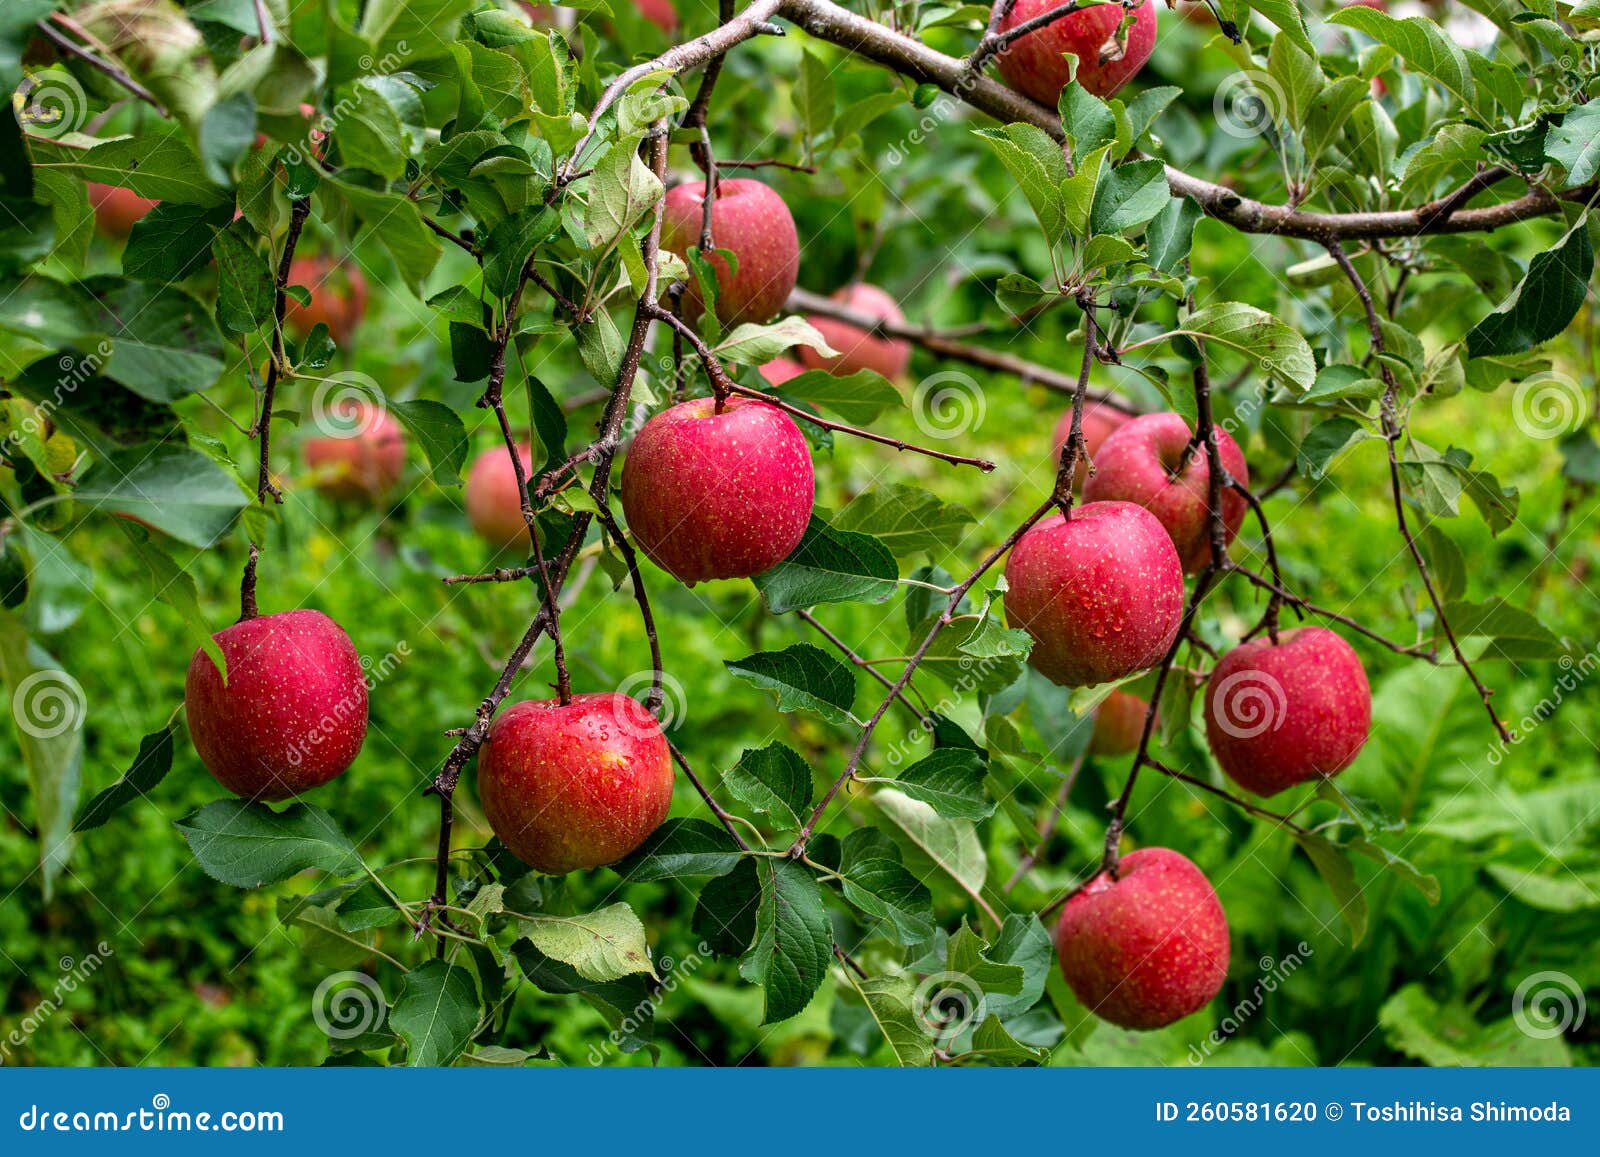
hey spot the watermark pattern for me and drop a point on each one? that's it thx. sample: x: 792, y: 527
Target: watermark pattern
x: 1547, y: 1004
x: 947, y: 405
x: 1249, y: 703
x: 50, y: 104
x: 1574, y: 673
x: 334, y: 720
x: 672, y: 972
x: 674, y: 706
x: 1549, y: 405
x: 346, y: 1005
x: 348, y: 405
x: 1273, y: 974
x: 1248, y: 104
x: 74, y: 974
x: 320, y: 126
x: 48, y: 704
x: 946, y: 1004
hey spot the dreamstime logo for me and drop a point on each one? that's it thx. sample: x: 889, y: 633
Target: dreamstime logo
x: 1574, y: 673
x: 48, y: 703
x: 636, y: 720
x: 1247, y: 104
x: 672, y: 972
x: 946, y: 1004
x: 50, y: 104
x: 1549, y: 405
x: 334, y: 718
x: 1249, y: 703
x: 348, y: 405
x: 74, y: 974
x: 321, y: 126
x: 1272, y: 974
x: 348, y: 1004
x: 1547, y: 1004
x: 948, y: 405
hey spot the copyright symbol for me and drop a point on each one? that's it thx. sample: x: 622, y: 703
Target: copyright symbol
x: 1334, y: 1110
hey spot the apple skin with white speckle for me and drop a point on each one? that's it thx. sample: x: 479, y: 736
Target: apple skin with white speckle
x: 1136, y: 463
x: 576, y: 785
x: 750, y: 219
x: 1147, y: 948
x: 1283, y: 713
x: 293, y: 714
x: 1034, y: 64
x: 1101, y: 595
x: 713, y: 495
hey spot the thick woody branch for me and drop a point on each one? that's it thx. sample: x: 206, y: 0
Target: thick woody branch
x: 916, y: 60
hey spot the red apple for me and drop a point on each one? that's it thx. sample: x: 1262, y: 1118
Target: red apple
x: 118, y: 210
x: 578, y: 785
x: 1107, y: 60
x: 362, y: 460
x: 1102, y: 594
x: 1148, y: 946
x: 1118, y: 724
x: 1282, y: 713
x: 338, y: 297
x: 494, y: 502
x: 752, y: 221
x: 718, y: 496
x: 1139, y: 463
x: 780, y: 369
x: 1100, y: 419
x: 293, y: 714
x: 858, y: 349
x: 661, y: 13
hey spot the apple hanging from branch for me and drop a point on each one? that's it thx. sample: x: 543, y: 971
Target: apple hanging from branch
x: 749, y: 219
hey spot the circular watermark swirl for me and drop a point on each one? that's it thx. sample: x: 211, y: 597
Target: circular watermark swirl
x: 48, y: 703
x: 1248, y: 104
x: 946, y: 1004
x: 348, y: 405
x: 1549, y: 405
x: 50, y: 104
x: 1246, y: 704
x: 347, y: 1004
x: 948, y: 405
x: 1547, y: 1004
x: 674, y: 706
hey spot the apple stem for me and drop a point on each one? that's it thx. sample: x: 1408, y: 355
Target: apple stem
x: 1075, y: 448
x: 247, y: 587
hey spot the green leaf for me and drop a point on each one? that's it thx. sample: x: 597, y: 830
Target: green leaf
x: 172, y: 488
x: 1128, y: 196
x: 48, y: 707
x: 794, y: 942
x: 1038, y: 171
x: 172, y: 242
x: 933, y: 842
x: 1278, y: 349
x: 509, y: 245
x: 829, y: 566
x: 974, y: 654
x: 164, y: 343
x: 397, y: 224
x: 1334, y: 866
x: 814, y: 94
x: 1547, y: 300
x: 875, y: 880
x: 156, y: 164
x: 436, y: 1012
x: 951, y: 780
x: 1513, y: 633
x: 604, y: 945
x: 439, y: 431
x: 993, y: 1041
x: 860, y: 398
x: 248, y: 845
x: 621, y: 190
x: 754, y: 345
x: 173, y: 585
x: 1574, y: 144
x: 681, y: 847
x: 1085, y: 119
x: 803, y: 677
x: 889, y: 999
x: 1419, y: 41
x: 245, y: 285
x: 725, y: 915
x: 1326, y: 441
x: 906, y: 519
x: 1289, y: 20
x: 775, y: 781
